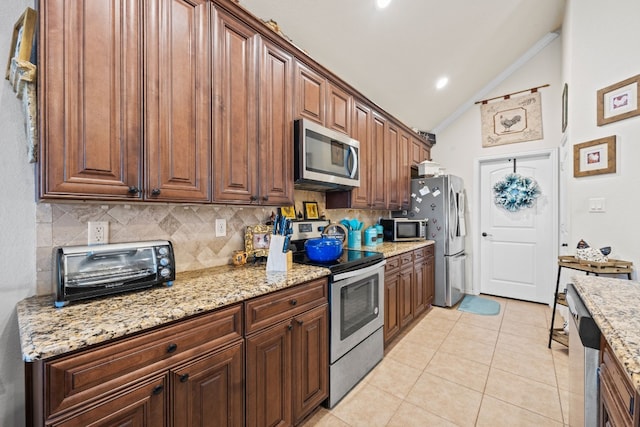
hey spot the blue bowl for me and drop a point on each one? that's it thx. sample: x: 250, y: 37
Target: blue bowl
x: 323, y: 249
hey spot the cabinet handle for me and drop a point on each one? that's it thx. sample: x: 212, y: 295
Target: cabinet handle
x: 293, y: 302
x: 133, y: 190
x: 265, y: 198
x: 172, y: 347
x: 184, y: 378
x: 300, y: 322
x: 157, y: 389
x: 290, y: 326
x: 155, y: 192
x: 253, y: 198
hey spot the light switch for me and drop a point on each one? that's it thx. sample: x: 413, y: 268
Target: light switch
x: 597, y: 205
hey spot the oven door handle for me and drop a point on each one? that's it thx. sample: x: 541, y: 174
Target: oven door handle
x: 358, y: 272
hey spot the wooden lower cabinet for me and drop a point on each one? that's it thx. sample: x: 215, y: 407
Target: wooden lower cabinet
x: 287, y: 364
x: 208, y: 391
x: 142, y: 405
x: 619, y: 400
x: 409, y: 289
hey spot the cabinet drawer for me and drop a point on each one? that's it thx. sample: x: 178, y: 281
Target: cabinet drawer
x: 269, y: 309
x: 406, y: 259
x: 420, y: 254
x: 429, y: 250
x: 392, y: 264
x: 81, y: 377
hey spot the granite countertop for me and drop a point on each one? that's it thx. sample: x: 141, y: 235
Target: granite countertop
x: 46, y: 331
x: 613, y: 303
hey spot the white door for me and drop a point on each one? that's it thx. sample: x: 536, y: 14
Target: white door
x: 518, y: 249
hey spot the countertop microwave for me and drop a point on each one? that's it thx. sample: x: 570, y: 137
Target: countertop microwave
x: 403, y: 229
x: 324, y: 159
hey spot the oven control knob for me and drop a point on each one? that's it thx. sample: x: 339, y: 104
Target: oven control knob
x: 165, y: 272
x: 163, y: 251
x: 164, y: 261
x: 375, y: 311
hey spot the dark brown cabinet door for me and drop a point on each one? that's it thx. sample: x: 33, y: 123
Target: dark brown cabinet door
x: 391, y: 306
x: 419, y: 287
x: 429, y: 274
x: 378, y: 186
x: 90, y: 98
x: 310, y: 361
x: 276, y: 126
x: 404, y: 170
x: 361, y: 131
x: 209, y: 391
x: 419, y: 151
x: 143, y: 405
x: 339, y: 109
x: 177, y: 101
x: 268, y: 376
x: 391, y: 156
x: 310, y: 94
x: 235, y: 116
x: 406, y: 295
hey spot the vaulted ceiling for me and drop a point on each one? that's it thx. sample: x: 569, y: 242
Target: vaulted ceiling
x: 394, y: 56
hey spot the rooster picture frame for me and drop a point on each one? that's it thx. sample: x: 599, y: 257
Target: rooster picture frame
x: 511, y: 120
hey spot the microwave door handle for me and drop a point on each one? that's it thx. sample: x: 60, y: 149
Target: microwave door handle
x: 355, y: 162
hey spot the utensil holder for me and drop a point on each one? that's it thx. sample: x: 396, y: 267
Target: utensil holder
x: 354, y: 239
x: 278, y: 260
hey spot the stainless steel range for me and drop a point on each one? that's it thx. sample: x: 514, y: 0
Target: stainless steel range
x: 356, y: 304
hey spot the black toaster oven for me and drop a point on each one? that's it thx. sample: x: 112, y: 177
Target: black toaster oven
x: 93, y: 271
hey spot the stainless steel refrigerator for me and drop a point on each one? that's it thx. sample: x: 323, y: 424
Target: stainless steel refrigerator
x: 441, y: 200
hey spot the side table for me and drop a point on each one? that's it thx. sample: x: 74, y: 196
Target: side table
x: 590, y: 267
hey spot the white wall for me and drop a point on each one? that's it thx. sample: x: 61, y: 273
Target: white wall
x: 602, y: 50
x: 460, y: 145
x: 17, y: 225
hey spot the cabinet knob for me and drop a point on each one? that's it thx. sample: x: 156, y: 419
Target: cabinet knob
x: 133, y: 190
x: 301, y: 322
x: 184, y: 378
x: 265, y: 198
x: 253, y: 198
x: 158, y: 389
x: 293, y: 302
x: 290, y: 326
x: 172, y: 347
x: 155, y: 192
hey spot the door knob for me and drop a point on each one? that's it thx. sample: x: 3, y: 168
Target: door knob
x: 486, y: 234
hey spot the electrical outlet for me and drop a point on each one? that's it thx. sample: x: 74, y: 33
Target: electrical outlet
x: 221, y: 227
x: 98, y: 233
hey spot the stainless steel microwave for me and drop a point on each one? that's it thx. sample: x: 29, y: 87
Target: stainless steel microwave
x: 403, y: 229
x: 324, y: 159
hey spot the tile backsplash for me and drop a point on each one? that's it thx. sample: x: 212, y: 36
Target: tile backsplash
x: 191, y: 228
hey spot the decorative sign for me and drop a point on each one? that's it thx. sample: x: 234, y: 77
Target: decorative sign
x: 512, y: 120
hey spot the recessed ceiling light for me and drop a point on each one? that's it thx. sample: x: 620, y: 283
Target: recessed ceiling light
x: 382, y: 3
x: 442, y: 82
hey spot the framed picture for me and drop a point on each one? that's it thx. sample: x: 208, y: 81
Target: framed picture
x: 618, y: 101
x: 311, y: 210
x: 565, y: 107
x: 22, y: 38
x: 257, y: 239
x: 511, y: 120
x: 288, y: 212
x: 595, y: 157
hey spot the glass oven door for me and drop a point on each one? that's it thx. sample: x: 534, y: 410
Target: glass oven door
x: 357, y: 308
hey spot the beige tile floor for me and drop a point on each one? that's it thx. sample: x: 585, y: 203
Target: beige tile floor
x: 459, y: 369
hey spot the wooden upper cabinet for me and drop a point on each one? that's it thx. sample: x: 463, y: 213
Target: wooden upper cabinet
x: 378, y: 138
x: 404, y: 169
x: 339, y: 108
x: 310, y: 94
x: 235, y: 95
x: 361, y: 131
x: 391, y: 156
x: 90, y: 99
x: 276, y: 125
x: 419, y: 151
x: 177, y: 107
